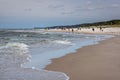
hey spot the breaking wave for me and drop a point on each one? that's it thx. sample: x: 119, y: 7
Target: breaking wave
x: 13, y: 55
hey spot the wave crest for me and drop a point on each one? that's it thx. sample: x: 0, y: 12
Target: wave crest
x: 18, y: 46
x: 63, y: 42
x: 13, y: 55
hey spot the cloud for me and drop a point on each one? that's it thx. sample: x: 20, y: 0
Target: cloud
x: 67, y: 12
x: 28, y: 9
x: 96, y: 7
x: 89, y: 2
x: 56, y: 6
x: 38, y: 1
x: 57, y: 9
x: 115, y: 5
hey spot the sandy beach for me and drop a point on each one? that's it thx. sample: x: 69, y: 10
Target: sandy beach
x: 59, y: 39
x: 111, y: 30
x: 96, y: 62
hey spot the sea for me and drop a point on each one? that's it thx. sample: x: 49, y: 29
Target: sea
x: 26, y: 51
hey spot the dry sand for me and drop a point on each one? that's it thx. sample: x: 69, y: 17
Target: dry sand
x: 96, y: 62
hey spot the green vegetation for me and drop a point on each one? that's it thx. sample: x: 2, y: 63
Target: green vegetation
x: 111, y: 23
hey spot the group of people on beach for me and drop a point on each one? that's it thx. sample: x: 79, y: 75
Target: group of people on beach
x: 101, y: 29
x: 78, y: 29
x: 93, y: 29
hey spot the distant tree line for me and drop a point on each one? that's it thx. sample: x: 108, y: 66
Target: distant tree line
x: 111, y: 22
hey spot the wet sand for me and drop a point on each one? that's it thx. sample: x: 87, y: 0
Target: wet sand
x: 96, y: 62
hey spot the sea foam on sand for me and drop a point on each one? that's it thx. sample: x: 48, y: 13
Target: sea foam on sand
x: 12, y: 56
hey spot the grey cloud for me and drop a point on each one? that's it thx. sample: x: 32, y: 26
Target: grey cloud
x: 38, y: 1
x: 56, y: 6
x: 68, y: 12
x: 86, y: 8
x: 28, y: 9
x: 112, y: 6
x: 89, y: 2
x: 90, y: 8
x: 115, y: 5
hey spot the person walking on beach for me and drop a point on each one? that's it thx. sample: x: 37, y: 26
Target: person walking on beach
x: 93, y: 29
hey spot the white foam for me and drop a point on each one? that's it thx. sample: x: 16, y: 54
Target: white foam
x: 20, y: 46
x: 31, y: 74
x: 12, y: 57
x: 63, y: 42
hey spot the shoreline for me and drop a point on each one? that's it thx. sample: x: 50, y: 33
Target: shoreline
x: 81, y: 65
x: 72, y: 61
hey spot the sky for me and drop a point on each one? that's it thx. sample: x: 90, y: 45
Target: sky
x: 45, y: 13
